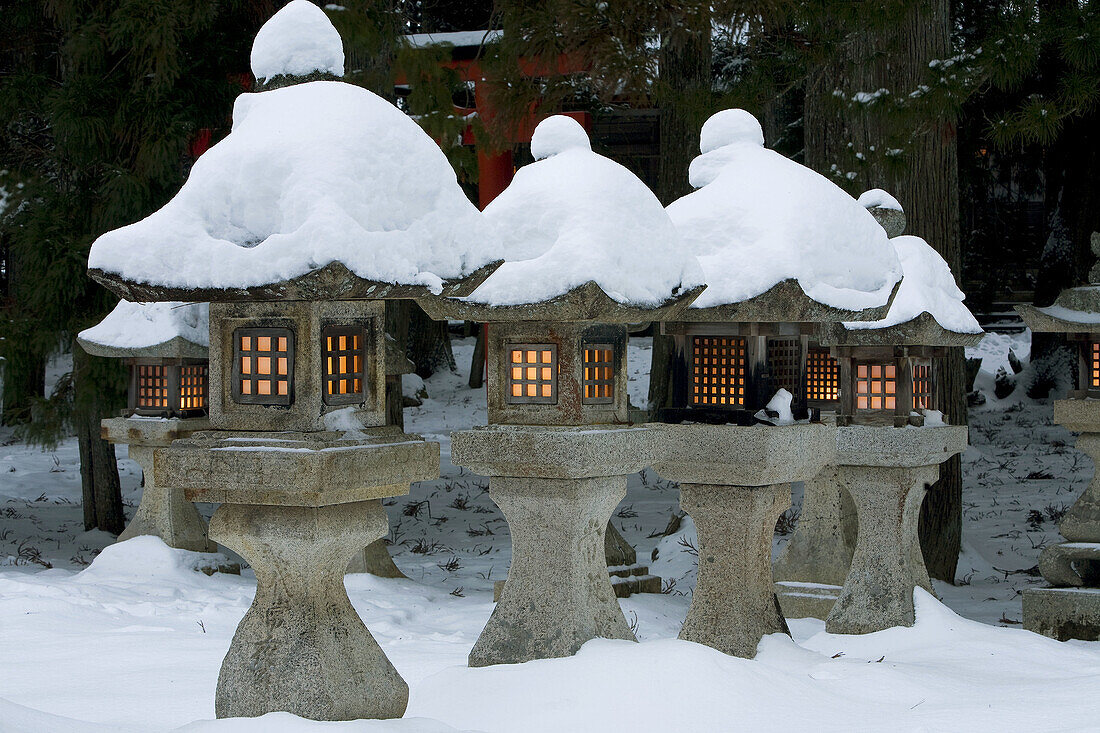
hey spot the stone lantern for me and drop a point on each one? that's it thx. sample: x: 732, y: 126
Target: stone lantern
x: 165, y: 348
x: 1070, y: 608
x: 888, y: 380
x: 782, y: 249
x: 590, y: 250
x: 296, y: 228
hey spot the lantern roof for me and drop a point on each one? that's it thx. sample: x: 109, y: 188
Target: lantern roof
x: 156, y: 330
x: 321, y: 191
x: 777, y: 241
x: 584, y: 239
x: 297, y: 41
x: 1075, y: 310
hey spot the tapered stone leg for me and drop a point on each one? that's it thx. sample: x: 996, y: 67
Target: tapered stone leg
x: 1082, y: 522
x: 821, y: 548
x: 888, y: 564
x: 301, y: 648
x: 558, y: 594
x: 734, y: 603
x: 164, y: 512
x: 375, y: 559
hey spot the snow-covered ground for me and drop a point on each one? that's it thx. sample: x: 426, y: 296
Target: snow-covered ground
x: 134, y: 642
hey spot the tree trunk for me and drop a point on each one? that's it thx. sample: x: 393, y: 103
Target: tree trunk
x: 477, y: 361
x: 99, y: 482
x: 429, y: 343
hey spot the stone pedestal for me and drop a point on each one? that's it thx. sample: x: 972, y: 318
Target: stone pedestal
x: 886, y: 471
x: 1071, y: 609
x: 820, y: 551
x: 557, y: 487
x: 735, y: 483
x: 163, y: 511
x: 297, y: 506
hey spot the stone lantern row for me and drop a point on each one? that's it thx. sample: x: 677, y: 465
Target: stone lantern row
x: 297, y: 227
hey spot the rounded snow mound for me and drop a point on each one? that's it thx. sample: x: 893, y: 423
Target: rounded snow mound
x: 758, y: 219
x: 311, y: 174
x: 575, y: 217
x: 145, y: 325
x: 557, y: 134
x: 728, y: 127
x: 296, y: 41
x: 146, y: 557
x: 928, y: 287
x: 877, y: 198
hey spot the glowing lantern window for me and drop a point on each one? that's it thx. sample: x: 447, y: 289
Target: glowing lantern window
x: 599, y: 375
x: 718, y: 371
x: 876, y: 386
x: 193, y: 387
x: 922, y: 386
x: 343, y: 354
x: 822, y: 376
x: 152, y: 387
x: 263, y: 366
x: 532, y: 374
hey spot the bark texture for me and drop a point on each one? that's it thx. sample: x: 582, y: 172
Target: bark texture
x: 100, y: 487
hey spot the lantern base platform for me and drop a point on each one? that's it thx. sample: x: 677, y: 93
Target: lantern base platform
x: 806, y: 600
x: 297, y: 469
x: 1063, y: 613
x: 164, y: 511
x: 735, y: 483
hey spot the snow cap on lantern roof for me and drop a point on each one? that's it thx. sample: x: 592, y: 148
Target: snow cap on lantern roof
x: 777, y: 241
x: 1075, y: 310
x: 584, y: 239
x: 157, y: 330
x: 298, y: 41
x: 321, y: 191
x: 928, y: 309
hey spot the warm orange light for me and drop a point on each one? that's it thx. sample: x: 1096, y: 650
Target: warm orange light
x: 718, y: 371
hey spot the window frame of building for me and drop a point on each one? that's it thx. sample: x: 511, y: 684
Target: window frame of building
x: 602, y: 376
x: 883, y: 378
x: 525, y: 378
x: 254, y: 375
x: 328, y: 377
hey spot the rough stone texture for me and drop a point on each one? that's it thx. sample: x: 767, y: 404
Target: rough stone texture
x: 375, y: 559
x: 783, y: 303
x: 587, y: 302
x: 305, y: 319
x: 806, y: 600
x: 163, y: 511
x: 892, y: 220
x: 616, y: 549
x: 333, y: 282
x: 1071, y: 564
x: 301, y: 648
x: 569, y: 340
x: 1082, y: 522
x: 889, y: 447
x: 923, y: 330
x: 1086, y: 303
x: 558, y: 595
x: 821, y: 548
x: 297, y: 469
x: 1063, y: 613
x: 734, y: 603
x: 555, y: 452
x: 175, y: 348
x: 737, y: 455
x: 1080, y: 416
x: 735, y: 482
x: 887, y: 564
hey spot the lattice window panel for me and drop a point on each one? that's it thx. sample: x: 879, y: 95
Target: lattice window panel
x: 922, y: 386
x: 1094, y: 366
x: 532, y: 374
x: 718, y: 371
x: 193, y: 383
x: 344, y: 355
x: 263, y: 366
x: 152, y: 387
x: 876, y: 386
x: 784, y: 362
x: 598, y: 385
x: 822, y: 376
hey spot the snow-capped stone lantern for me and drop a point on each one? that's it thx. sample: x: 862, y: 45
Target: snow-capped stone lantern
x: 590, y: 249
x: 165, y: 348
x: 782, y: 249
x: 1070, y: 609
x: 295, y: 228
x: 862, y: 580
